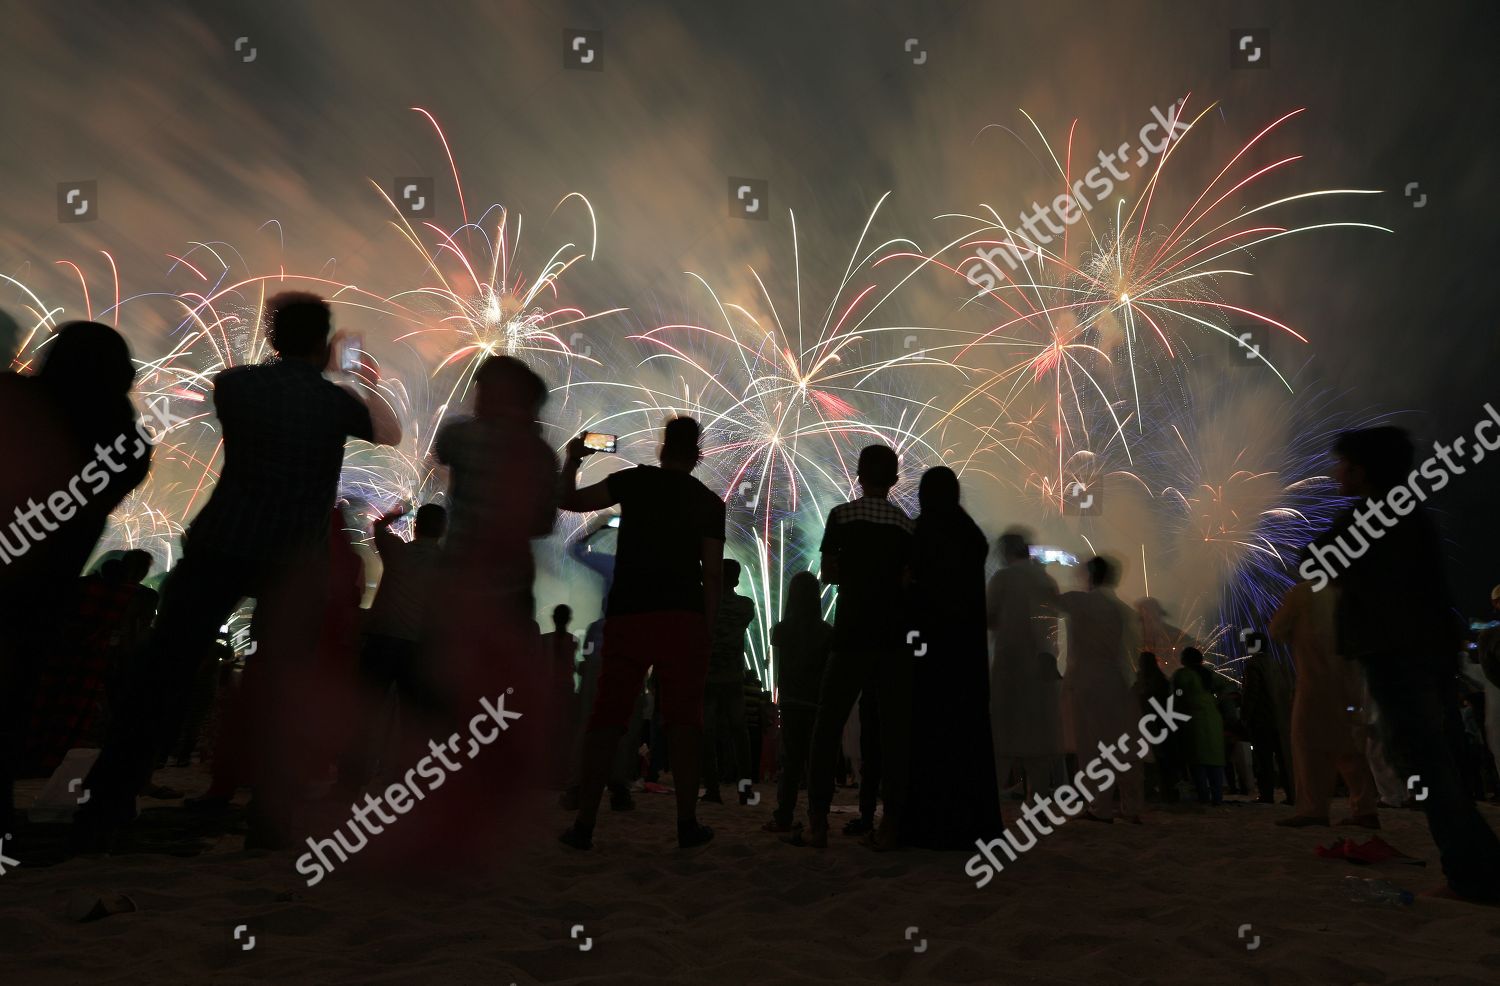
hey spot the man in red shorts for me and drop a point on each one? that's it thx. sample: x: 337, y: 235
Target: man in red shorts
x: 667, y: 583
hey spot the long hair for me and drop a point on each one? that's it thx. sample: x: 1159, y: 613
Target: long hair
x: 804, y: 600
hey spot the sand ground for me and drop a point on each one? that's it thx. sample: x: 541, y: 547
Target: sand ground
x: 1159, y: 903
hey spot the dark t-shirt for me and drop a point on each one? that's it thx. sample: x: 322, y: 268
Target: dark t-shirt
x: 664, y: 518
x: 872, y: 539
x: 284, y: 429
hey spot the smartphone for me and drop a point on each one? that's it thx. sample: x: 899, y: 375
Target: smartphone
x: 350, y: 351
x: 599, y: 442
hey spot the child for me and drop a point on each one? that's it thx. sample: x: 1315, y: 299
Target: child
x: 1203, y: 737
x: 802, y: 641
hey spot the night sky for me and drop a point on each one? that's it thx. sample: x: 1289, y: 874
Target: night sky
x: 187, y: 141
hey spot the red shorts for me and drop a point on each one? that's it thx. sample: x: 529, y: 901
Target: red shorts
x: 676, y: 643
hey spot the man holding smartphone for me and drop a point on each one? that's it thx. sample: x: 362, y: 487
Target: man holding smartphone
x: 668, y: 573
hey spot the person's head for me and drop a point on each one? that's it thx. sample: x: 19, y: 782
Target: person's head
x: 731, y: 574
x: 135, y: 565
x: 1015, y: 545
x: 298, y: 324
x: 88, y: 360
x: 938, y: 491
x: 431, y: 522
x: 878, y: 469
x: 505, y: 387
x: 1372, y: 461
x: 1191, y: 657
x: 562, y: 615
x: 111, y: 570
x: 679, y: 444
x: 1145, y: 663
x: 1103, y: 573
x: 804, y: 598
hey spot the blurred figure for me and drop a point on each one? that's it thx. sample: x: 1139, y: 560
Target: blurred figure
x: 391, y: 654
x: 1266, y: 713
x: 1103, y: 638
x: 89, y: 654
x: 665, y: 597
x: 397, y: 622
x: 802, y: 642
x: 1328, y: 738
x: 1159, y: 635
x: 1151, y: 683
x: 1202, y: 738
x: 267, y: 522
x: 502, y: 494
x: 624, y: 767
x: 955, y: 798
x: 866, y: 552
x: 1395, y: 618
x: 1024, y: 713
x: 74, y: 448
x: 724, y: 695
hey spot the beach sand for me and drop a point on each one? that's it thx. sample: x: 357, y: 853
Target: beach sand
x: 1163, y: 902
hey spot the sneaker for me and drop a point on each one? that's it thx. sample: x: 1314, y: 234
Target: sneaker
x: 711, y: 797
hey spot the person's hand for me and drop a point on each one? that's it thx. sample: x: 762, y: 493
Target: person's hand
x: 394, y: 514
x: 577, y: 451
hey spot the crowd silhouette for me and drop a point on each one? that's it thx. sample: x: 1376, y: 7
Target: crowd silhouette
x: 961, y: 700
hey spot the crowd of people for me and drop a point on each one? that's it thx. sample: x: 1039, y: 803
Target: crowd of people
x: 962, y: 699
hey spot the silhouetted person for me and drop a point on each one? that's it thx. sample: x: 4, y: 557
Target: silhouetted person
x: 391, y: 649
x: 1025, y: 715
x: 1395, y: 618
x: 867, y: 550
x: 1104, y: 637
x: 502, y: 491
x: 73, y: 449
x: 265, y: 525
x: 724, y: 694
x: 397, y: 624
x: 801, y: 643
x: 1152, y: 684
x: 955, y: 798
x: 1201, y: 738
x: 1266, y: 715
x: 665, y: 597
x: 559, y: 650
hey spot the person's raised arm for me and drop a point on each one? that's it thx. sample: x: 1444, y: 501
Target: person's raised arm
x: 384, y: 428
x: 384, y: 539
x: 595, y: 497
